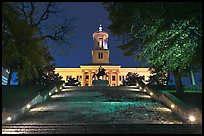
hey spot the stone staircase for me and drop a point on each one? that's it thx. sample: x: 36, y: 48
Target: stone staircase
x: 35, y: 123
x: 102, y: 129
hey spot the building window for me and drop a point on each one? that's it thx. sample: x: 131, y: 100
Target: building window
x: 120, y: 78
x: 100, y: 42
x: 113, y: 78
x: 87, y: 78
x: 100, y: 55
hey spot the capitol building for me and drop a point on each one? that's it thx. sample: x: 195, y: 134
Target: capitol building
x: 115, y: 74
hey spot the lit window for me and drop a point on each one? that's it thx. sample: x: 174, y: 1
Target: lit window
x: 113, y: 78
x: 100, y: 42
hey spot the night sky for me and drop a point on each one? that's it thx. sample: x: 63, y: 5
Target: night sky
x: 88, y: 17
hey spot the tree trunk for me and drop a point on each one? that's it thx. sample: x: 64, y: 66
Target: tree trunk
x: 179, y: 87
x: 167, y: 78
x: 192, y: 77
x: 9, y: 77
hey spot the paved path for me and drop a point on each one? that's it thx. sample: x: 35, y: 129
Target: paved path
x: 92, y: 111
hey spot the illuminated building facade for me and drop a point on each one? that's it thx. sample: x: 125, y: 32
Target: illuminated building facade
x: 100, y: 57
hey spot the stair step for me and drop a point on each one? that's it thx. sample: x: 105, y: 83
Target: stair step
x: 114, y: 129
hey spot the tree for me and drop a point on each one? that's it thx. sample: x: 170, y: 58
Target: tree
x: 19, y: 45
x: 24, y: 48
x: 158, y: 77
x: 72, y: 82
x: 132, y: 78
x: 166, y: 35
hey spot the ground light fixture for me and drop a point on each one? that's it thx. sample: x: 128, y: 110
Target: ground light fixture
x: 137, y: 85
x: 145, y: 90
x: 151, y: 93
x: 9, y: 119
x: 140, y: 88
x: 192, y: 118
x: 28, y: 106
x: 172, y: 106
x: 56, y: 90
x: 50, y: 93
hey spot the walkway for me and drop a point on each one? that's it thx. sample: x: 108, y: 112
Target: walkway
x: 100, y: 111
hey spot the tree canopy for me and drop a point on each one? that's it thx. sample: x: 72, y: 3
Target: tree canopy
x: 24, y: 48
x: 166, y: 35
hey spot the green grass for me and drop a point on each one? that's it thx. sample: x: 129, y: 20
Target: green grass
x: 185, y: 91
x: 11, y: 94
x: 191, y: 97
x: 14, y: 94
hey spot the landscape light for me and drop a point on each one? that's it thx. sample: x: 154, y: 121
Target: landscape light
x: 50, y: 93
x: 137, y: 84
x: 28, y: 106
x: 151, y: 93
x: 145, y: 90
x: 191, y: 118
x: 9, y: 119
x: 56, y: 90
x: 172, y: 106
x: 140, y: 88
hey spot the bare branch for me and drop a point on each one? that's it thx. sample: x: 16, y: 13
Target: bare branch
x: 46, y: 13
x: 23, y: 10
x: 60, y: 31
x: 31, y: 12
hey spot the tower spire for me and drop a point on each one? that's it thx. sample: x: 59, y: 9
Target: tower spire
x: 100, y: 28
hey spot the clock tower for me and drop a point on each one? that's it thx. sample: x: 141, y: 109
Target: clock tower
x: 100, y: 51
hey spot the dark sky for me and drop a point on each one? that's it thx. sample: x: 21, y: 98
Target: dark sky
x: 88, y: 17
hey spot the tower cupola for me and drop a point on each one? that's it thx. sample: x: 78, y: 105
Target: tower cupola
x: 100, y: 51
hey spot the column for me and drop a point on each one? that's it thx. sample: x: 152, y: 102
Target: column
x: 117, y: 79
x: 90, y: 78
x: 83, y: 79
x: 110, y: 78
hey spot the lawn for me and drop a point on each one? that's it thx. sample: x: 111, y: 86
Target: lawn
x: 18, y: 96
x: 192, y: 94
x: 193, y: 99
